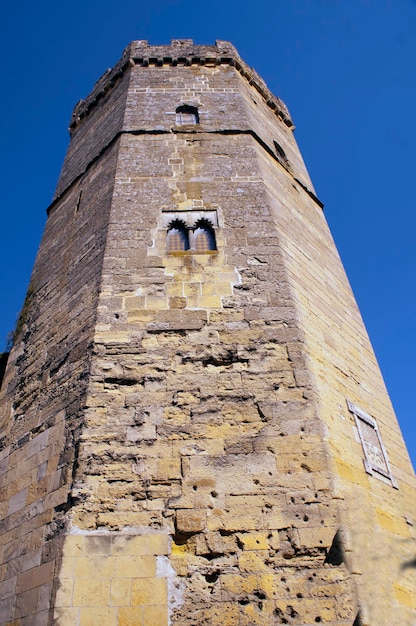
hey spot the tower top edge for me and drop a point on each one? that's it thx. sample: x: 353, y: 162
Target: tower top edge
x: 179, y: 52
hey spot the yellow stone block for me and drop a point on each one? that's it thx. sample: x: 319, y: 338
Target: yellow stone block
x: 227, y: 615
x: 316, y: 536
x: 158, y: 543
x: 174, y: 290
x: 254, y: 618
x: 112, y: 337
x: 180, y: 564
x: 91, y: 592
x: 157, y: 303
x: 209, y: 302
x: 130, y: 616
x: 405, y: 596
x: 209, y: 289
x: 68, y: 567
x: 231, y: 277
x: 385, y: 520
x: 344, y: 470
x: 177, y: 302
x: 91, y: 567
x: 236, y: 583
x: 193, y: 520
x: 192, y: 302
x: 135, y: 566
x: 254, y: 540
x: 155, y: 616
x: 120, y: 592
x: 179, y: 549
x: 97, y: 545
x: 192, y: 289
x: 134, y: 302
x: 401, y: 527
x: 141, y: 316
x: 185, y: 205
x: 225, y: 289
x: 149, y: 591
x: 253, y: 562
x: 196, y: 277
x: 361, y: 477
x: 92, y: 616
x: 169, y: 469
x: 133, y: 545
x: 64, y: 593
x: 73, y: 545
x: 65, y: 616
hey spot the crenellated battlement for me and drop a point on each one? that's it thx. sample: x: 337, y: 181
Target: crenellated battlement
x: 180, y: 52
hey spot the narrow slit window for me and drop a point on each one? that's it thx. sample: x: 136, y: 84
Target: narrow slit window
x: 280, y: 153
x: 203, y: 237
x: 177, y: 239
x: 186, y: 114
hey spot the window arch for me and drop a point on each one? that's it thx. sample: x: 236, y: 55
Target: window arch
x: 177, y: 239
x: 186, y: 114
x: 203, y: 237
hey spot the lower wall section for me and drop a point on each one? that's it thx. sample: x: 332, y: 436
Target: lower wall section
x: 140, y: 577
x: 115, y: 579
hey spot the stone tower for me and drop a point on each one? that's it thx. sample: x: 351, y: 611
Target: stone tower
x: 194, y: 427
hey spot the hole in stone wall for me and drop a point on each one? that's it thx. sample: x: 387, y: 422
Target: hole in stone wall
x: 213, y: 577
x: 210, y: 556
x: 180, y: 539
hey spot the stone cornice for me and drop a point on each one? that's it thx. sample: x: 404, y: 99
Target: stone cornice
x: 180, y: 52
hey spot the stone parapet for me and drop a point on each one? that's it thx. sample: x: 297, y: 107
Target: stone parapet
x: 180, y: 52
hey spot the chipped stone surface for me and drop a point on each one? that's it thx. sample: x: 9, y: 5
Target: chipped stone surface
x: 177, y: 443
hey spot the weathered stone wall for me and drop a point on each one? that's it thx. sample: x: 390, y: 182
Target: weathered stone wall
x: 378, y: 520
x: 177, y: 423
x: 200, y: 419
x: 42, y: 396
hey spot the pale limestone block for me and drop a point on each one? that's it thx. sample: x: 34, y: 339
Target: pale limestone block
x: 149, y: 591
x: 135, y: 566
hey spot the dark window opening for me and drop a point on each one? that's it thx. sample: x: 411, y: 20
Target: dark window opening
x: 186, y: 114
x: 3, y: 364
x: 280, y: 152
x: 203, y: 237
x: 199, y: 238
x: 177, y: 238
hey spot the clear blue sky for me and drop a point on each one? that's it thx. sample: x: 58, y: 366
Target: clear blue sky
x: 346, y: 70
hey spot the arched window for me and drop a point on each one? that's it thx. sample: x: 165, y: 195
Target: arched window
x: 177, y: 237
x: 203, y: 237
x: 186, y: 114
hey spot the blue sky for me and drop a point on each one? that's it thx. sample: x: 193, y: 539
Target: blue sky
x: 346, y: 70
